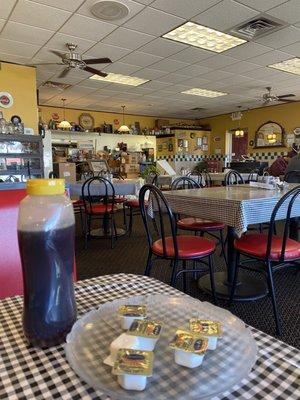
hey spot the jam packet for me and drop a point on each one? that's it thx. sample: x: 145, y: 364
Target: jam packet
x: 132, y: 310
x: 205, y: 327
x: 189, y: 342
x: 133, y: 362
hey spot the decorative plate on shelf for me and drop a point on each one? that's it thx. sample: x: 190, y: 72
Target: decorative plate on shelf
x: 6, y: 100
x: 88, y: 345
x: 86, y: 121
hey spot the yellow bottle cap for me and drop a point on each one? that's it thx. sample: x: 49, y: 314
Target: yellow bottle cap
x: 45, y: 187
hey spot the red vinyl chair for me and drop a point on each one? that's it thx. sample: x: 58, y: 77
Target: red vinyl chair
x: 177, y: 248
x: 11, y: 279
x: 273, y: 252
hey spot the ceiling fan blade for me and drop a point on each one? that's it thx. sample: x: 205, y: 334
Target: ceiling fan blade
x: 95, y: 71
x: 286, y: 95
x: 48, y: 64
x: 98, y: 61
x: 57, y: 53
x: 64, y: 72
x: 287, y: 100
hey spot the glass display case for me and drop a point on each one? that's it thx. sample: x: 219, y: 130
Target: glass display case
x: 21, y: 156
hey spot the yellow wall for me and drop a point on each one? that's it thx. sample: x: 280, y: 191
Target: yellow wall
x: 287, y: 115
x: 20, y: 82
x: 100, y: 117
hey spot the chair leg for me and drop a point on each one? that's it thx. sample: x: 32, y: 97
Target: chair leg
x: 130, y: 220
x: 223, y: 246
x: 124, y: 214
x: 234, y: 282
x: 273, y: 297
x: 184, y: 280
x: 212, y: 279
x: 173, y: 276
x: 149, y: 264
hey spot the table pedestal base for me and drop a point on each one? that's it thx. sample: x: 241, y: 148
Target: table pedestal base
x: 249, y: 288
x: 101, y: 233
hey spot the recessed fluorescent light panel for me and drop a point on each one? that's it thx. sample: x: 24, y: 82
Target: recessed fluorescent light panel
x: 204, y: 92
x: 203, y: 37
x: 292, y: 66
x: 121, y: 79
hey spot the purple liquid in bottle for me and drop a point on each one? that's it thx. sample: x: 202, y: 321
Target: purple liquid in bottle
x: 49, y: 302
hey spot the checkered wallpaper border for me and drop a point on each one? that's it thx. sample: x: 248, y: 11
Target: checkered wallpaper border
x: 263, y: 156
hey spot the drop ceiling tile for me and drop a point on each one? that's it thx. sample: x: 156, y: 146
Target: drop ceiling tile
x: 78, y: 90
x: 149, y: 73
x: 217, y: 62
x: 196, y: 81
x: 6, y: 7
x: 2, y: 22
x: 213, y: 85
x: 13, y: 58
x: 237, y: 80
x: 281, y: 38
x: 140, y: 58
x: 146, y: 2
x: 193, y: 70
x: 69, y: 78
x: 107, y: 50
x: 173, y: 78
x: 155, y: 85
x: 18, y: 48
x: 288, y: 12
x: 154, y: 22
x: 240, y: 67
x: 262, y: 5
x: 192, y: 55
x: 87, y: 28
x: 59, y: 40
x: 248, y: 50
x: 225, y: 15
x: 121, y: 68
x: 34, y: 14
x: 92, y: 83
x: 69, y: 5
x: 216, y: 75
x: 169, y: 65
x: 163, y: 47
x: 271, y: 57
x: 133, y: 7
x: 292, y: 49
x: 178, y: 88
x: 127, y: 38
x: 25, y: 33
x: 261, y: 73
x: 184, y: 9
x: 44, y: 75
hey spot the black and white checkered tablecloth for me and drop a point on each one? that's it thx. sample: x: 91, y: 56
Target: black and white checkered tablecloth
x: 29, y: 373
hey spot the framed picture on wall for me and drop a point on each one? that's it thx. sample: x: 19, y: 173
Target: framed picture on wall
x: 199, y: 141
x: 269, y: 134
x: 204, y: 140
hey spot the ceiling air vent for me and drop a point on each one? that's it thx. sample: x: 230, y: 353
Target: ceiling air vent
x: 257, y: 28
x: 56, y: 85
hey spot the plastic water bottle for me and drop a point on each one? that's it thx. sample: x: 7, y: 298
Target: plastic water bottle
x: 46, y: 230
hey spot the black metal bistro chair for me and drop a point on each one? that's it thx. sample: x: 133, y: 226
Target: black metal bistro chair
x: 104, y: 209
x: 206, y: 179
x: 233, y: 178
x: 292, y: 176
x: 253, y: 176
x: 198, y: 225
x: 272, y: 251
x: 165, y: 243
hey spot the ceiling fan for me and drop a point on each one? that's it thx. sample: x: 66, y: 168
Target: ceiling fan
x: 270, y: 98
x: 72, y: 59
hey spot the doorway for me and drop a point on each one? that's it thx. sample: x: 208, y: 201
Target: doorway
x: 239, y: 145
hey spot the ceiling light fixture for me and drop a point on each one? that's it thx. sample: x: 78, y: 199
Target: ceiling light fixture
x: 123, y: 128
x: 64, y: 124
x: 203, y: 37
x: 109, y: 10
x: 121, y: 79
x: 204, y: 92
x: 292, y: 66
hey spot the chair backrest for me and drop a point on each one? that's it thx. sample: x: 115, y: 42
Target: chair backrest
x: 184, y: 182
x: 292, y: 176
x: 152, y: 178
x: 205, y: 179
x: 161, y: 213
x: 98, y: 188
x: 233, y: 178
x: 253, y: 176
x: 283, y: 210
x: 12, y: 178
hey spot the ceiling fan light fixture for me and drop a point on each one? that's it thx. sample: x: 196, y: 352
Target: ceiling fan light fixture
x: 292, y: 66
x: 109, y: 10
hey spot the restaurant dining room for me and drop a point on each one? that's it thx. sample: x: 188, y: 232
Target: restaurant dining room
x: 150, y: 199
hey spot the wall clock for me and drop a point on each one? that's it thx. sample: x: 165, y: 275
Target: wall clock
x: 86, y: 121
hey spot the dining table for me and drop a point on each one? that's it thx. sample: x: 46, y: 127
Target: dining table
x: 238, y: 207
x: 28, y: 373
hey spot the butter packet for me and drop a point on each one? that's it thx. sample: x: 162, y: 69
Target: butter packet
x: 205, y: 327
x: 145, y: 328
x: 189, y: 342
x: 132, y: 310
x: 133, y: 362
